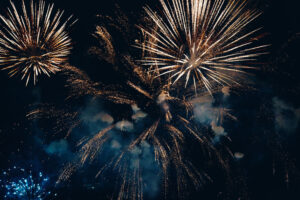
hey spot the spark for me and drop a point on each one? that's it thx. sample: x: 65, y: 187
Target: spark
x: 34, y: 41
x: 201, y: 42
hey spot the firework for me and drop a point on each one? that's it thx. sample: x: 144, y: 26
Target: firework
x: 148, y: 140
x: 20, y: 184
x: 160, y: 142
x: 156, y: 149
x: 202, y: 43
x: 33, y: 42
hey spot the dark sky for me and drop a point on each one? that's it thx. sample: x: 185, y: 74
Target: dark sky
x: 256, y: 133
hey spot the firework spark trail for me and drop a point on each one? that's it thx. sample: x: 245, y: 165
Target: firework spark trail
x: 33, y: 42
x: 67, y: 120
x: 201, y: 41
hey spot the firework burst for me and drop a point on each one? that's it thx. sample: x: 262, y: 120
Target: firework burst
x: 34, y: 42
x: 160, y: 143
x: 151, y: 137
x: 17, y: 183
x: 133, y: 152
x: 202, y: 43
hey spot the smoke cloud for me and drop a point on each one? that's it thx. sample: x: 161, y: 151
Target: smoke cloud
x: 60, y: 148
x: 286, y: 116
x: 208, y: 114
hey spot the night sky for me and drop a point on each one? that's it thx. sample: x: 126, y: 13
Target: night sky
x: 266, y: 132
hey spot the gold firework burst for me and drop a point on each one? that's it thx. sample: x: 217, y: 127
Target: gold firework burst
x: 202, y: 42
x: 167, y: 127
x: 33, y: 42
x: 162, y: 140
x: 161, y: 120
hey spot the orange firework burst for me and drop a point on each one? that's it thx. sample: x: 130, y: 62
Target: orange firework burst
x: 200, y: 41
x: 34, y: 42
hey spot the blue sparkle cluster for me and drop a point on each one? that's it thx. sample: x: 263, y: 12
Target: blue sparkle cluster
x: 22, y: 185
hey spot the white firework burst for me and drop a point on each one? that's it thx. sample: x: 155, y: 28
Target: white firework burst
x: 201, y: 41
x: 34, y: 41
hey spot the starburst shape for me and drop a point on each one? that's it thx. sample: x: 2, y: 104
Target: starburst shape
x: 202, y: 42
x: 33, y: 41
